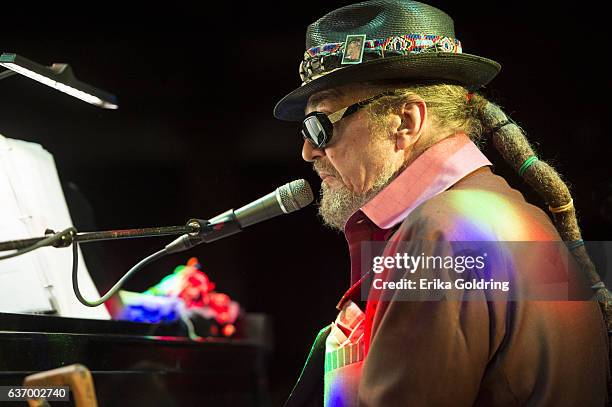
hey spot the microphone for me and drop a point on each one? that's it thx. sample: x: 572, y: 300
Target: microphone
x: 285, y: 199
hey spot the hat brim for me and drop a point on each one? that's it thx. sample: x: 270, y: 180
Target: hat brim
x: 468, y: 70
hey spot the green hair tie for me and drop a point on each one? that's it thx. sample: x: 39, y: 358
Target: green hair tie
x: 527, y: 164
x: 575, y: 244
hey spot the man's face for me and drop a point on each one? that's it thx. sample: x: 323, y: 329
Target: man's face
x: 353, y: 50
x: 358, y: 161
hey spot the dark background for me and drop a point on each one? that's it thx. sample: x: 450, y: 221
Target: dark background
x: 194, y: 134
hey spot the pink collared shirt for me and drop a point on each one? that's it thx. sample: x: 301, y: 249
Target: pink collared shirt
x: 433, y: 172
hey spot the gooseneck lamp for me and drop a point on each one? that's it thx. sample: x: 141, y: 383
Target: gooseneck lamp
x: 58, y: 76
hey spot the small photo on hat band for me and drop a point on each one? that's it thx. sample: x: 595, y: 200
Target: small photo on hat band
x: 353, y: 49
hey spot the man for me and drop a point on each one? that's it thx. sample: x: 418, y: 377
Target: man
x: 353, y: 50
x: 392, y: 139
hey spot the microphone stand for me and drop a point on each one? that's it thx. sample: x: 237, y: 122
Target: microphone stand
x: 193, y: 227
x: 70, y: 236
x: 285, y: 199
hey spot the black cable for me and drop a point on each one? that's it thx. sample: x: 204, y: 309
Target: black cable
x: 71, y: 232
x: 118, y: 284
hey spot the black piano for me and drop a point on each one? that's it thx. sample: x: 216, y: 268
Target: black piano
x: 137, y: 364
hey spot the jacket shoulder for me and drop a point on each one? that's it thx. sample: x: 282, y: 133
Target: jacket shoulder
x: 481, y: 206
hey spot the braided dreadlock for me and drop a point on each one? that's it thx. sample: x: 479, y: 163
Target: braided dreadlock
x: 511, y: 142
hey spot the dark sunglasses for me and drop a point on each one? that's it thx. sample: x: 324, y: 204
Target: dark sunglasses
x: 318, y: 127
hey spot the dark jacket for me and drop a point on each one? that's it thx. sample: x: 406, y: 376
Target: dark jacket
x: 491, y: 352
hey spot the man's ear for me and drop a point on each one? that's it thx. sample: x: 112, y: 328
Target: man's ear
x: 413, y: 116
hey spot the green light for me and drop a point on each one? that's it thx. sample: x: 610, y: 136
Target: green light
x: 7, y: 57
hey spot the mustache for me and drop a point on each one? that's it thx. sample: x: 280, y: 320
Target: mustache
x: 324, y: 166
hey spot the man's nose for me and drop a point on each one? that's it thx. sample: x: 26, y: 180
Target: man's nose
x: 311, y: 153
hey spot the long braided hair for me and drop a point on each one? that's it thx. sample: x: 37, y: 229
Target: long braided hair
x: 510, y: 141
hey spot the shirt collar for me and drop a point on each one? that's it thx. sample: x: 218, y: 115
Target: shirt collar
x: 434, y: 171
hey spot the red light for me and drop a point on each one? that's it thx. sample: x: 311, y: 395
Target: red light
x: 229, y: 330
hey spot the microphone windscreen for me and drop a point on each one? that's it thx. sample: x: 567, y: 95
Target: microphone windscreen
x: 295, y: 195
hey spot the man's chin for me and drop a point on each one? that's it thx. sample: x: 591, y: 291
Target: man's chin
x: 337, y: 203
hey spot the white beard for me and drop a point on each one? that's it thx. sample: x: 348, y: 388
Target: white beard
x: 339, y: 203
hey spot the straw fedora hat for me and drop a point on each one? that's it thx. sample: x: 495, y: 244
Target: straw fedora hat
x: 383, y: 40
